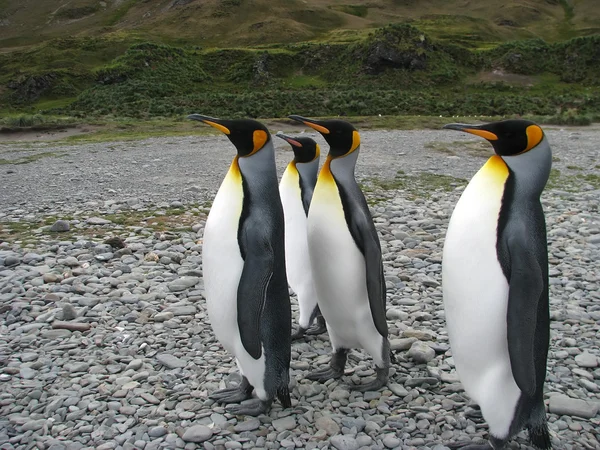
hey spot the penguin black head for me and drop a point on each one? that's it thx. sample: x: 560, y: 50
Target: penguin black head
x: 341, y: 136
x: 305, y: 148
x: 508, y: 137
x: 248, y: 135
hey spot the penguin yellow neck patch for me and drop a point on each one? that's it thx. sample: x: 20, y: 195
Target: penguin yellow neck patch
x: 317, y: 152
x: 326, y: 176
x: 326, y: 191
x: 534, y: 136
x: 234, y: 173
x: 293, y: 168
x: 495, y: 169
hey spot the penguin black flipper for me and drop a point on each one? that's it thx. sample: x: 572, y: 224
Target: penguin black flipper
x: 365, y: 236
x: 253, y: 286
x: 526, y: 286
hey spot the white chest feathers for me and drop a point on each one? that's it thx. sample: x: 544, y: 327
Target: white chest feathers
x: 476, y: 297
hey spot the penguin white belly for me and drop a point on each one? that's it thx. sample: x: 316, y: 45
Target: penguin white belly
x: 340, y: 274
x: 297, y: 259
x: 222, y: 266
x: 476, y: 298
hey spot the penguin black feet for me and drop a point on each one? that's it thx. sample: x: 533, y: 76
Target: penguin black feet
x: 255, y: 407
x: 299, y: 333
x: 323, y: 375
x: 474, y: 412
x: 492, y: 444
x: 380, y: 381
x: 335, y: 369
x: 319, y: 328
x: 470, y: 446
x: 233, y: 395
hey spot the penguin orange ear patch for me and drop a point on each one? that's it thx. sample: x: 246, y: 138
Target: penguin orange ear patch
x: 355, y: 141
x: 317, y: 151
x: 259, y: 137
x: 534, y: 136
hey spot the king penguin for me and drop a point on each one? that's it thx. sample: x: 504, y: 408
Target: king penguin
x: 243, y: 264
x: 345, y: 255
x: 296, y: 191
x: 495, y: 283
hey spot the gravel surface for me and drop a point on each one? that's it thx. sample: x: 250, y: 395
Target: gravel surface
x: 104, y: 336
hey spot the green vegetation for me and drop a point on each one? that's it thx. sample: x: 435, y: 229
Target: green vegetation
x: 22, y: 120
x: 132, y: 130
x: 395, y: 71
x: 118, y: 14
x: 433, y: 64
x: 572, y: 183
x: 165, y: 220
x: 355, y: 10
x: 31, y: 158
x: 575, y: 60
x: 569, y: 9
x: 422, y: 185
x: 226, y: 8
x: 39, y: 121
x: 54, y: 71
x: 77, y: 12
x: 592, y: 179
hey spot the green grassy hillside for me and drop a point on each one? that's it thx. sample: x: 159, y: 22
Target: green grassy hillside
x: 224, y: 23
x: 150, y: 58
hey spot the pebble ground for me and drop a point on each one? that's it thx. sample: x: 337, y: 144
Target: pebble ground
x: 104, y: 337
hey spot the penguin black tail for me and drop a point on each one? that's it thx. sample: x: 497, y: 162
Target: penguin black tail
x: 538, y: 427
x: 540, y: 436
x: 283, y: 394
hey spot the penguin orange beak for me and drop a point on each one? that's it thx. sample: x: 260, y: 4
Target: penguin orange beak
x: 314, y: 124
x: 289, y: 140
x: 473, y: 129
x: 212, y: 121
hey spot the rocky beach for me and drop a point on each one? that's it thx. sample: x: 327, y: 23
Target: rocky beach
x: 104, y: 337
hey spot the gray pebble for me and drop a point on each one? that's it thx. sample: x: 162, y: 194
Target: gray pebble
x: 247, y: 425
x: 197, y: 433
x: 140, y: 376
x: 60, y: 226
x: 563, y: 405
x: 285, y: 423
x: 328, y: 425
x: 344, y: 442
x: 587, y: 360
x: 156, y: 432
x: 391, y: 441
x: 98, y: 221
x: 421, y: 353
x: 170, y: 361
